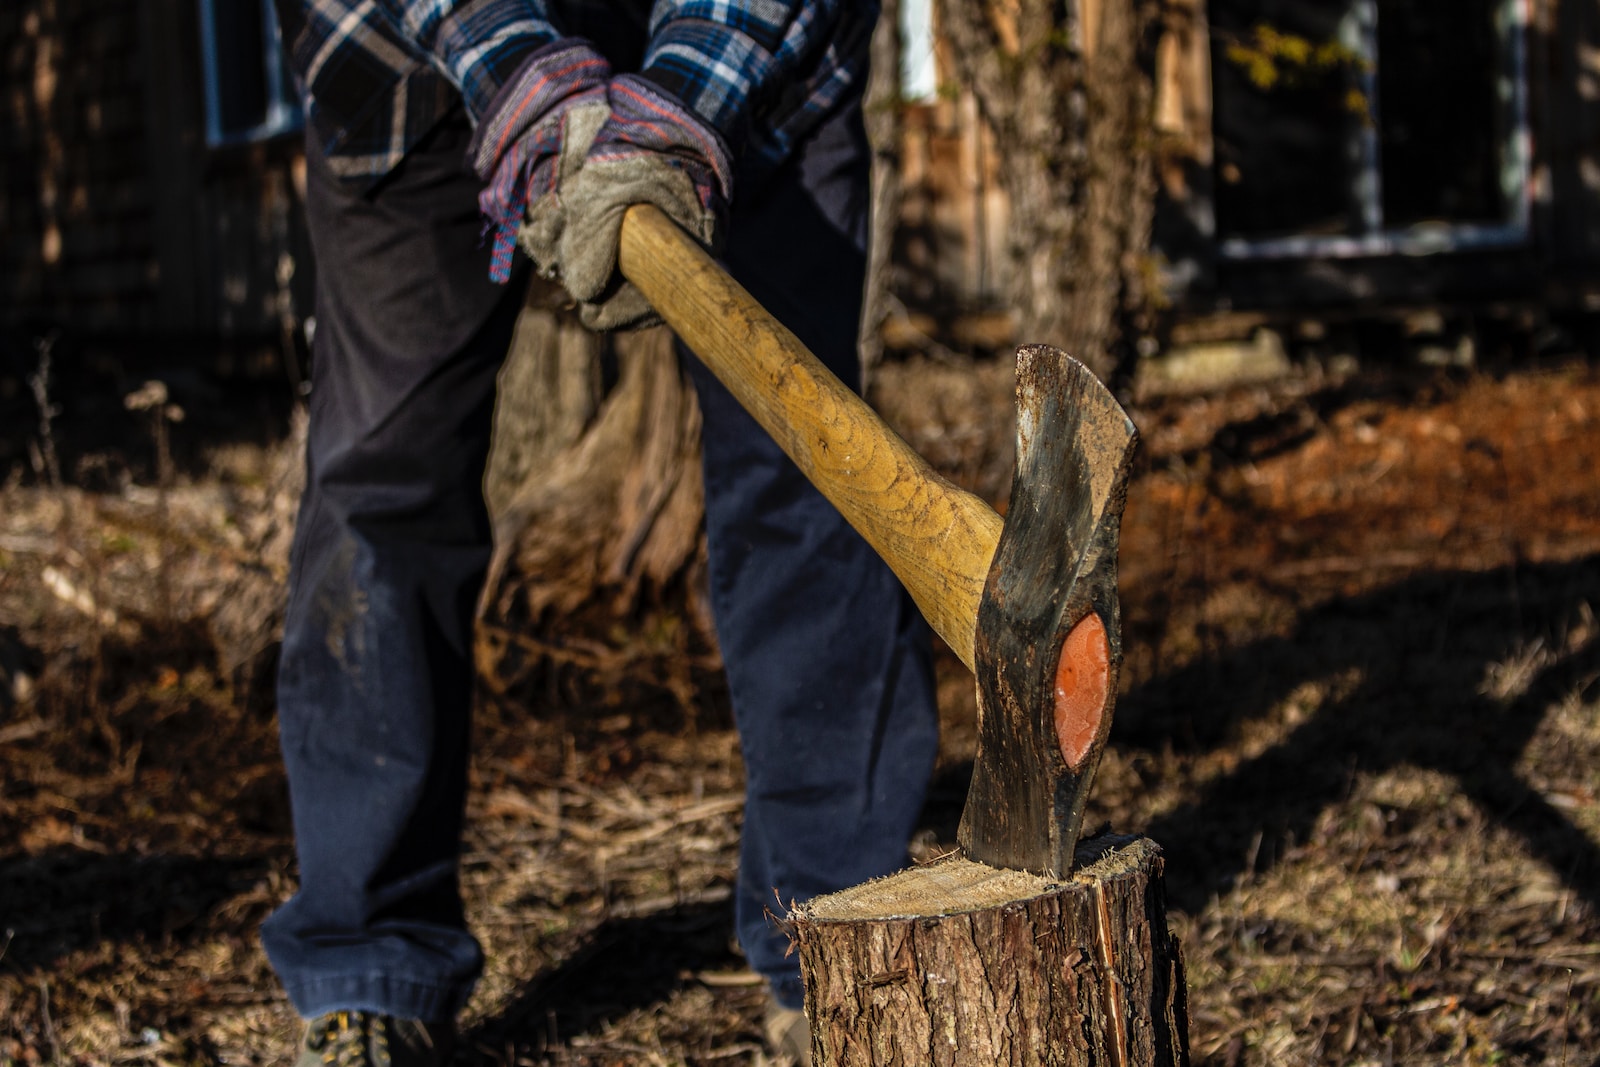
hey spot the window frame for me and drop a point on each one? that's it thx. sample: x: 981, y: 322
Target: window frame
x: 1359, y: 32
x: 283, y: 112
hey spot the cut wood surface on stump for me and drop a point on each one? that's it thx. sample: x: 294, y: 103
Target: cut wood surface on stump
x: 960, y: 964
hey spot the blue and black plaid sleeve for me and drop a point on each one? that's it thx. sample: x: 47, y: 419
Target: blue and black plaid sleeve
x: 478, y: 46
x: 763, y: 72
x: 377, y: 74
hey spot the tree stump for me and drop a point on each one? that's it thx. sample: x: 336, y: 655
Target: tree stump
x: 959, y: 965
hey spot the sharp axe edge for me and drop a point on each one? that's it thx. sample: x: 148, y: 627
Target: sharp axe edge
x: 1056, y: 563
x: 1002, y: 596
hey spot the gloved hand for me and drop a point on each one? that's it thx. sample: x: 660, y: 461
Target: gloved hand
x: 539, y: 122
x: 653, y: 149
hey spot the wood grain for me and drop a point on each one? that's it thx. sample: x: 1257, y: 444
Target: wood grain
x: 963, y: 965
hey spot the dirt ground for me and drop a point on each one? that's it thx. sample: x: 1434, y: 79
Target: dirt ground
x: 1360, y: 711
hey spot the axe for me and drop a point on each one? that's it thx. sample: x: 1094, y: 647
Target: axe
x: 1028, y: 604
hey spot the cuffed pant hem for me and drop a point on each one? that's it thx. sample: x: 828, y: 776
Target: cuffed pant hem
x: 379, y: 994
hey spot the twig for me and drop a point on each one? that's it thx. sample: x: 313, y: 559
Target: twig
x: 21, y: 731
x: 743, y: 1049
x: 633, y: 909
x: 62, y: 589
x: 153, y: 397
x: 1347, y: 564
x: 687, y: 817
x: 1566, y: 1020
x: 43, y: 448
x: 24, y: 545
x: 511, y: 802
x: 729, y: 979
x: 44, y: 1018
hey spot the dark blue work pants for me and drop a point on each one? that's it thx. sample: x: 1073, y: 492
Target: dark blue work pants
x: 828, y: 661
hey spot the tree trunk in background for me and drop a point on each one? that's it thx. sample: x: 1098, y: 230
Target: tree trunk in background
x: 549, y: 391
x: 1067, y: 89
x: 884, y: 123
x: 595, y: 492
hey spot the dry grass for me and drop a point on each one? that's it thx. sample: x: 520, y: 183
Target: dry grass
x: 1361, y: 713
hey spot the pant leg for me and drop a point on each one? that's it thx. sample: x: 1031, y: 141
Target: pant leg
x: 829, y: 662
x: 389, y: 555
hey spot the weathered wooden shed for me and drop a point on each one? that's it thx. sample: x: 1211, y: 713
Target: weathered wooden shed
x: 1424, y: 150
x: 1312, y: 154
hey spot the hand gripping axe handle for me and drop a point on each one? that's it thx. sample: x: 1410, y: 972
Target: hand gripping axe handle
x: 1028, y: 604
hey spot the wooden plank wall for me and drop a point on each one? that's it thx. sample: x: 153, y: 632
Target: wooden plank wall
x: 74, y: 204
x: 1185, y: 223
x: 952, y: 239
x: 116, y: 218
x: 950, y: 249
x: 1564, y: 68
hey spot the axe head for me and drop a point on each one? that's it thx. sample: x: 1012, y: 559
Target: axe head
x: 1049, y: 630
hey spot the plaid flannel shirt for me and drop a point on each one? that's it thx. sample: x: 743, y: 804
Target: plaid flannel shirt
x: 377, y: 74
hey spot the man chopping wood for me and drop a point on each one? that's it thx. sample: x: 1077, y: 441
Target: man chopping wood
x: 443, y: 134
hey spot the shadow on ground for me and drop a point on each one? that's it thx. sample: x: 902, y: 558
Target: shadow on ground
x: 66, y: 899
x: 626, y: 964
x: 1453, y: 672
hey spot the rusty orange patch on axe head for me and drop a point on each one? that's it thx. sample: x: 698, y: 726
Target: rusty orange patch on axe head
x: 1082, y: 678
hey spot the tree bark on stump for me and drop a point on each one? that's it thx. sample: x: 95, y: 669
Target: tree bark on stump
x: 964, y: 965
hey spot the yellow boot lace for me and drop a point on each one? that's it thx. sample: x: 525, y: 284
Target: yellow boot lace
x: 351, y: 1039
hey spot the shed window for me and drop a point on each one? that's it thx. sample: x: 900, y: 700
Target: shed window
x: 1367, y: 127
x: 249, y: 93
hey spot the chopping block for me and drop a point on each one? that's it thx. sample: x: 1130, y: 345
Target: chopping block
x: 1026, y: 948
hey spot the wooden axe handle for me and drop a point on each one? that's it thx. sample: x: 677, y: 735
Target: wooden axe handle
x: 937, y: 538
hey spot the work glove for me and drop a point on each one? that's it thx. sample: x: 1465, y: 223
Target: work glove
x: 542, y: 119
x: 652, y: 149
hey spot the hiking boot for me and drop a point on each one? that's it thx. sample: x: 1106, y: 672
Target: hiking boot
x: 788, y: 1038
x: 367, y: 1039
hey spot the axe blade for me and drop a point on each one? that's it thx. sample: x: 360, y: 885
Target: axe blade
x: 1048, y: 645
